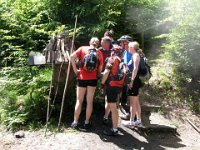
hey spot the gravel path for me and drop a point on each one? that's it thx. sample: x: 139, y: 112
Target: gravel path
x: 186, y: 138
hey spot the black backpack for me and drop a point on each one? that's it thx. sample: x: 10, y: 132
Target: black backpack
x: 90, y: 61
x: 144, y: 71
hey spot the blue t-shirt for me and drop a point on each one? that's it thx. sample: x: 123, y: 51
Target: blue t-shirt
x: 128, y: 60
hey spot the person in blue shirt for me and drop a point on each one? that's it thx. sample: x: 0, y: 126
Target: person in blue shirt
x: 123, y: 42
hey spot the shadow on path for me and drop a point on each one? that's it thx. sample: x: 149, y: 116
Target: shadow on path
x: 132, y: 139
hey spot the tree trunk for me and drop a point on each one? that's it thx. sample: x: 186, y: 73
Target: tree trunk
x: 142, y: 39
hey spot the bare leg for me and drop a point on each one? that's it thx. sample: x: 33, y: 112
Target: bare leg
x: 80, y: 92
x: 113, y: 108
x: 132, y: 108
x: 90, y: 98
x: 138, y: 107
x: 107, y: 108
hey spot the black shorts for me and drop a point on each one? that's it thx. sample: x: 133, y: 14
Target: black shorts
x: 134, y: 91
x: 124, y: 94
x: 112, y: 94
x: 85, y: 83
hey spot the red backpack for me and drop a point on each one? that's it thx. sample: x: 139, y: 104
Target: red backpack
x: 117, y: 73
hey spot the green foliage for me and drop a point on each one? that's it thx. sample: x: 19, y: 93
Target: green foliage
x: 182, y: 48
x: 23, y: 95
x: 142, y: 15
x: 93, y: 16
x: 24, y: 27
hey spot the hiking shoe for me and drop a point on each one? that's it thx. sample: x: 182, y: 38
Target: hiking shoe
x: 128, y: 124
x: 125, y: 117
x: 74, y: 126
x: 87, y: 126
x: 105, y: 121
x: 110, y: 132
x: 137, y: 123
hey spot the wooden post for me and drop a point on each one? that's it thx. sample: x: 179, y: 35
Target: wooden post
x: 67, y: 78
x: 193, y: 125
x: 49, y: 97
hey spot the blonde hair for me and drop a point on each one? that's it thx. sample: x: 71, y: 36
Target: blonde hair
x: 135, y: 45
x: 140, y: 52
x: 94, y: 40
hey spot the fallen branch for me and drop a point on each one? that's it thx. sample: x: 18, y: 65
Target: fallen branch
x: 193, y: 125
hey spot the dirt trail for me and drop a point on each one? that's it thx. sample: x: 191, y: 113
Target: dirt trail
x: 186, y: 138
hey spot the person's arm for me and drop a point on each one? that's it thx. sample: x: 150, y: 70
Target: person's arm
x: 106, y: 72
x: 136, y: 60
x: 105, y: 76
x: 73, y: 58
x: 101, y: 62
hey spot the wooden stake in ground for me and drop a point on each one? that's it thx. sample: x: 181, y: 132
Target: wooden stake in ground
x: 193, y: 125
x: 67, y: 78
x: 49, y: 98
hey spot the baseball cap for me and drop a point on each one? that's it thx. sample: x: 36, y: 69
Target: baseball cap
x: 125, y: 38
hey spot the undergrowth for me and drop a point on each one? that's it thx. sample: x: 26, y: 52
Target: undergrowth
x: 24, y: 92
x: 169, y: 85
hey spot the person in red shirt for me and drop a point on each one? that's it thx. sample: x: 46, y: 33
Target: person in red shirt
x: 106, y: 51
x: 105, y: 48
x: 112, y: 83
x: 90, y: 67
x: 110, y: 34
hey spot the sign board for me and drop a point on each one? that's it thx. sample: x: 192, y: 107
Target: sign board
x: 36, y: 58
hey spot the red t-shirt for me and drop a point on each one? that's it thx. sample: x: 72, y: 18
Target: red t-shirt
x: 106, y: 54
x: 87, y: 75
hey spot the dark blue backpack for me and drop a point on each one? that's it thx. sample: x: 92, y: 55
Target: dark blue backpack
x: 144, y: 71
x: 90, y: 61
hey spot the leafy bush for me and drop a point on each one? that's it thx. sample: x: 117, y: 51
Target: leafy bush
x: 182, y: 48
x: 23, y: 95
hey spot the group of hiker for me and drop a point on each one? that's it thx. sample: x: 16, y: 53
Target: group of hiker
x: 116, y: 66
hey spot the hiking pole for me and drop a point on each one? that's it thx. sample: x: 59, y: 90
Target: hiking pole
x: 55, y: 96
x: 49, y: 97
x: 67, y: 78
x: 58, y: 80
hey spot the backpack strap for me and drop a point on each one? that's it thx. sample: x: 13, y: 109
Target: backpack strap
x: 98, y: 62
